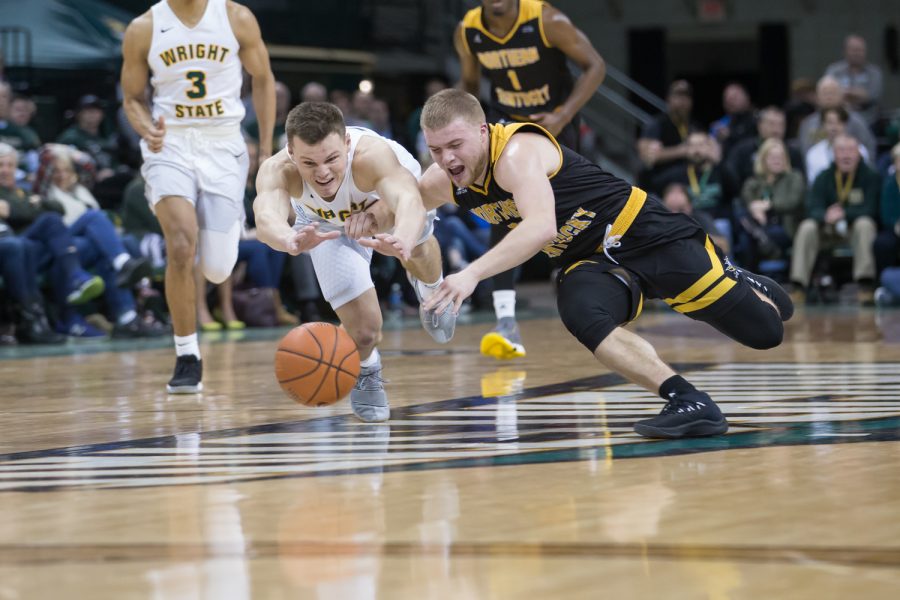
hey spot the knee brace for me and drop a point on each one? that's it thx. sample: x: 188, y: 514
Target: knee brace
x: 594, y: 298
x: 218, y: 252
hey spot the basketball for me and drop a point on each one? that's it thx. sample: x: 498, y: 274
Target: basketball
x: 317, y: 364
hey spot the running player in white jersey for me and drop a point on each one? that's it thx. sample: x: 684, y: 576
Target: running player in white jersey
x: 324, y: 180
x: 195, y: 160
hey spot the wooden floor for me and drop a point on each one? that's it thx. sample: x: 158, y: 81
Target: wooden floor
x: 492, y: 480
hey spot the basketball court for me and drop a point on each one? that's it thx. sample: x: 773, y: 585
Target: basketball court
x: 492, y: 480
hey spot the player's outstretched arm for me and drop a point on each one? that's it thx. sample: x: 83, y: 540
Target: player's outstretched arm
x: 272, y: 209
x: 470, y: 70
x: 134, y: 79
x: 376, y: 166
x: 522, y: 170
x: 562, y: 34
x: 255, y: 59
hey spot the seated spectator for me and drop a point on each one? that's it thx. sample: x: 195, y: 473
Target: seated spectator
x: 45, y: 231
x: 676, y: 199
x: 23, y: 140
x: 662, y: 145
x: 314, y: 92
x: 18, y: 267
x: 843, y: 203
x: 741, y: 162
x: 739, y: 121
x: 801, y: 104
x: 829, y: 94
x: 860, y: 79
x: 887, y: 244
x: 773, y: 201
x: 86, y: 135
x: 100, y: 247
x: 702, y: 176
x: 380, y: 118
x: 820, y: 156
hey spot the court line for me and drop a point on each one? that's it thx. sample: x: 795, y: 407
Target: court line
x: 24, y: 554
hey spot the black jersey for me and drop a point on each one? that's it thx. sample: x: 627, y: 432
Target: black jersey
x: 527, y: 75
x: 594, y: 209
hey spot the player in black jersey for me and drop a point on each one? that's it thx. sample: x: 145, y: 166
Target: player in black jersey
x: 615, y: 245
x: 522, y: 47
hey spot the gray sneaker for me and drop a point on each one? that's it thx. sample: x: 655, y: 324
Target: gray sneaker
x: 504, y: 342
x: 439, y: 326
x: 367, y: 398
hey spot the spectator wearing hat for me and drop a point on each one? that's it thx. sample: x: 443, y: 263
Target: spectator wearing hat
x: 663, y: 142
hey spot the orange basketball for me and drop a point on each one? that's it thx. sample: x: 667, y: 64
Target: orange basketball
x: 317, y: 364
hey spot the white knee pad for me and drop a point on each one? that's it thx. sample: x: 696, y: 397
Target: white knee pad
x: 218, y: 252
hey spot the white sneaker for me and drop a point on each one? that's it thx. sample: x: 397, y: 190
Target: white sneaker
x: 439, y: 326
x: 367, y: 398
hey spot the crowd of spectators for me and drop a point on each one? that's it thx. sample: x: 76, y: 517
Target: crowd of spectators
x: 807, y: 193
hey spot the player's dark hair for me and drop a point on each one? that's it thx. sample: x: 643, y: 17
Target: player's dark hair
x: 312, y: 122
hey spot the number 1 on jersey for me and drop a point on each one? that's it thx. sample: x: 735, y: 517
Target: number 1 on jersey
x: 514, y: 79
x: 198, y: 78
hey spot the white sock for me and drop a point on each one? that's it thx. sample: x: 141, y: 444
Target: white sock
x: 126, y: 317
x: 372, y: 360
x: 120, y: 260
x: 427, y: 290
x: 187, y: 344
x: 505, y: 303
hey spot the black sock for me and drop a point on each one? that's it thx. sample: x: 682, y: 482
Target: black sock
x: 676, y: 384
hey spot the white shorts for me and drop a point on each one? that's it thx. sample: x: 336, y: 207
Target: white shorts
x: 205, y: 166
x: 342, y: 264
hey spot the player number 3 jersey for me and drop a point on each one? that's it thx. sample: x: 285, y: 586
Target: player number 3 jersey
x: 196, y: 71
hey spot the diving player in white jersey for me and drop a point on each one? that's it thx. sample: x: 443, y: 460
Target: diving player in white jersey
x: 324, y: 180
x: 195, y: 160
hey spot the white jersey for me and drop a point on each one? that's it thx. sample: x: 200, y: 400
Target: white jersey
x: 349, y: 198
x: 196, y: 71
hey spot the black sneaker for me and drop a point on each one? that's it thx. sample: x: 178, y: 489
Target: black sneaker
x: 133, y: 271
x: 687, y: 415
x: 188, y: 373
x: 767, y: 286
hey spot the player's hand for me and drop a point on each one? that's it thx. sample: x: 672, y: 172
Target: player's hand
x: 452, y: 291
x: 263, y: 156
x: 306, y: 238
x: 550, y: 121
x: 155, y: 135
x: 360, y: 225
x: 387, y: 244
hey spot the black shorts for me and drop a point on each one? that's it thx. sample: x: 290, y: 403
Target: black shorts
x: 596, y: 295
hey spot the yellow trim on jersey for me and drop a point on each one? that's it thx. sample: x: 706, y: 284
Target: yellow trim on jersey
x: 688, y: 300
x: 528, y: 10
x: 628, y: 213
x: 541, y: 25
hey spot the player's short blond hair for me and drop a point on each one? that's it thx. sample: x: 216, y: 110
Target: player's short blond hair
x: 447, y: 105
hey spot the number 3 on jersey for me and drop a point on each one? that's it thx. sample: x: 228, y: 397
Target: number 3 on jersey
x: 198, y: 78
